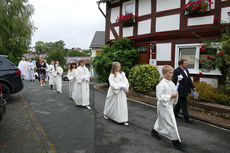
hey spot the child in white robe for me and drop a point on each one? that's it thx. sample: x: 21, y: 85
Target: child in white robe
x: 57, y: 73
x: 81, y: 91
x: 72, y: 77
x: 30, y: 67
x: 116, y: 102
x: 167, y: 96
x: 50, y: 75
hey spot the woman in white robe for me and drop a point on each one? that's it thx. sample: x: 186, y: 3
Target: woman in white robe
x: 72, y: 77
x: 57, y: 73
x: 116, y: 101
x: 167, y: 96
x: 50, y: 75
x: 22, y: 66
x: 81, y: 92
x: 30, y: 67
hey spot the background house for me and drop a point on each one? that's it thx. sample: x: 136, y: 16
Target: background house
x: 163, y: 32
x: 96, y: 44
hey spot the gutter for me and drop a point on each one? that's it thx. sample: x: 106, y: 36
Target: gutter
x: 98, y: 3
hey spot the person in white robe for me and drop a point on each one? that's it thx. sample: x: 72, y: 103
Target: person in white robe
x: 167, y: 96
x: 22, y: 66
x: 47, y: 76
x: 50, y: 75
x: 57, y: 73
x: 30, y: 67
x: 81, y: 91
x: 72, y: 78
x: 116, y: 101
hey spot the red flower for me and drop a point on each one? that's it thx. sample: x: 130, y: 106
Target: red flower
x: 220, y: 54
x: 203, y: 49
x: 200, y: 74
x: 209, y: 57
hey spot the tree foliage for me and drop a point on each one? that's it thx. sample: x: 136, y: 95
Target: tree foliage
x: 44, y: 47
x: 120, y: 51
x: 16, y: 28
x: 76, y: 53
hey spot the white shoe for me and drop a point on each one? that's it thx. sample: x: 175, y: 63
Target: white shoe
x: 106, y: 117
x: 88, y: 107
x: 126, y: 124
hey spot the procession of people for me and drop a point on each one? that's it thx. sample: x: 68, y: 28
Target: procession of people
x: 171, y: 95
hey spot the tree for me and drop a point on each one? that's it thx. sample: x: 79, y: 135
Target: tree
x: 16, y: 28
x: 57, y: 54
x: 76, y: 53
x: 39, y: 47
x: 120, y: 51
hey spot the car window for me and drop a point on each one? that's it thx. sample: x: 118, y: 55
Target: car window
x: 1, y: 63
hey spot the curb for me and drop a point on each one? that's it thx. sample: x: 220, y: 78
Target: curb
x: 219, y: 126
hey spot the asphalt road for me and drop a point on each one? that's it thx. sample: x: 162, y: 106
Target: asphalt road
x: 39, y: 120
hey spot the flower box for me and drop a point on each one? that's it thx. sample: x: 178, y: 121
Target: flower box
x: 126, y: 20
x: 197, y: 7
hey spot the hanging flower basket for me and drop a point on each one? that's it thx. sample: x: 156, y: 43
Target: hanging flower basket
x: 126, y: 20
x: 197, y: 7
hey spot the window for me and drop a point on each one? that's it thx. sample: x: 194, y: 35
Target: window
x: 128, y: 7
x: 192, y: 53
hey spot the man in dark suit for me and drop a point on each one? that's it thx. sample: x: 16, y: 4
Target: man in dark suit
x: 183, y: 89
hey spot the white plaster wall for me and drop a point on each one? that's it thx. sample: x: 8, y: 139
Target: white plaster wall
x: 144, y: 27
x: 115, y: 12
x: 163, y: 52
x: 168, y: 23
x: 159, y: 68
x: 127, y: 31
x: 163, y: 5
x: 201, y: 20
x: 225, y: 18
x: 211, y: 81
x: 111, y: 34
x: 144, y: 7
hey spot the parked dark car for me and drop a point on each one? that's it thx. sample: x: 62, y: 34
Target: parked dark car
x: 65, y: 78
x: 2, y: 105
x: 10, y: 78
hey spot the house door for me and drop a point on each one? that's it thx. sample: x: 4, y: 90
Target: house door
x: 143, y: 50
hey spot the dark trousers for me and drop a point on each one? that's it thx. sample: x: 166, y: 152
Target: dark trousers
x: 182, y: 103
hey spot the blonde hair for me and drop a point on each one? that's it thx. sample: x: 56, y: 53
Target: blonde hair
x: 114, y: 67
x: 166, y: 69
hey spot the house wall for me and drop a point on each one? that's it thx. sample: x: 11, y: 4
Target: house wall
x: 164, y: 24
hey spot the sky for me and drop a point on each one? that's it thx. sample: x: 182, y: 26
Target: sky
x: 73, y: 21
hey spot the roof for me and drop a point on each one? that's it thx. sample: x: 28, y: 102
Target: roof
x: 98, y: 39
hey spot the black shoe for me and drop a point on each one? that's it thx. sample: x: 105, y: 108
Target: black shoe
x: 155, y: 134
x: 178, y: 145
x: 189, y: 120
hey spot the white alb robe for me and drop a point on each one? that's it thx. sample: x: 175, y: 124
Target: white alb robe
x: 166, y: 124
x: 58, y: 78
x: 116, y: 101
x: 22, y: 66
x: 51, y: 77
x: 81, y: 91
x: 30, y: 69
x: 72, y: 77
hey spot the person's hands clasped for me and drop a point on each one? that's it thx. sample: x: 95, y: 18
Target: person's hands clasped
x: 174, y: 95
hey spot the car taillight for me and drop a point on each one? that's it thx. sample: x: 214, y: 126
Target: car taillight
x: 0, y: 91
x: 18, y: 72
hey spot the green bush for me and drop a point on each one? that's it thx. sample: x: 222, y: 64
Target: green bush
x: 207, y: 93
x: 120, y: 51
x: 144, y: 78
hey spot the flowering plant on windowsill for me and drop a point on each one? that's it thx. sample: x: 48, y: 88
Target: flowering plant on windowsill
x: 197, y: 7
x: 126, y: 19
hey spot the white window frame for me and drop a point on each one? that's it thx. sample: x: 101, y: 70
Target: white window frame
x: 196, y: 69
x: 128, y: 3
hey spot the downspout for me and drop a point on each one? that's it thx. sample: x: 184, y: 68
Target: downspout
x: 98, y: 3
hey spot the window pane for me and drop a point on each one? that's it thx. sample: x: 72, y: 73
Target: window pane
x: 204, y: 57
x: 188, y: 54
x: 129, y: 9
